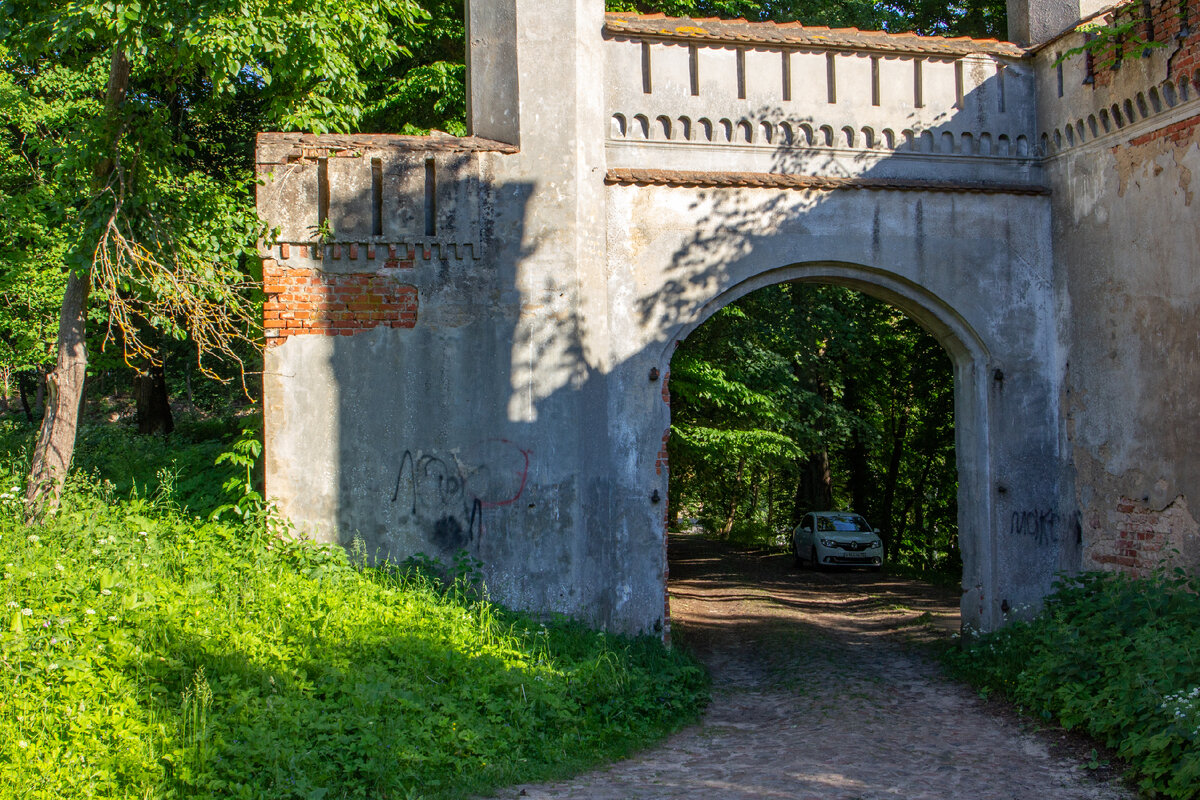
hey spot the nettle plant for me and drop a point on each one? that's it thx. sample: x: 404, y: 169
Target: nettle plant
x: 1124, y: 32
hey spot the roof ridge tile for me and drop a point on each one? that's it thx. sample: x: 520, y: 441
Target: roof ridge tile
x: 796, y: 34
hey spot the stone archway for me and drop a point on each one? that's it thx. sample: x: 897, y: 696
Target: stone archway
x: 969, y: 357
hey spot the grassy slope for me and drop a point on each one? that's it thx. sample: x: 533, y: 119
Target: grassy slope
x: 146, y: 652
x: 1116, y: 657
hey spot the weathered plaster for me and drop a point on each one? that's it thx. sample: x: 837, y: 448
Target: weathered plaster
x: 506, y: 394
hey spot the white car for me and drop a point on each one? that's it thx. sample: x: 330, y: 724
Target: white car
x: 828, y: 538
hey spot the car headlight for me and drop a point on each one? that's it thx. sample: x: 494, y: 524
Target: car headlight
x: 829, y: 542
x: 877, y: 543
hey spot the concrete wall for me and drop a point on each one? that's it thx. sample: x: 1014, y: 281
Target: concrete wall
x: 470, y: 338
x: 674, y: 104
x: 1121, y: 148
x: 971, y: 268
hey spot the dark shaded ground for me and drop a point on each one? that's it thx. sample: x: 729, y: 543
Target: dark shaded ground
x: 822, y: 689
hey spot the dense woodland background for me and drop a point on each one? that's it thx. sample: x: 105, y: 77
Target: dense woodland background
x: 796, y: 398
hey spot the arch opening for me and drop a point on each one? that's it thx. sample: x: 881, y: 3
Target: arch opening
x: 959, y: 543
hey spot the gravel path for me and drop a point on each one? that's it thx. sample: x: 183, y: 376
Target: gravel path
x: 819, y: 693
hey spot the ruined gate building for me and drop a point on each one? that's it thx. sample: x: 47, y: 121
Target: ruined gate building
x: 470, y: 338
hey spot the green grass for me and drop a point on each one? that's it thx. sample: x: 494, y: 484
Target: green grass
x: 149, y: 652
x: 182, y: 463
x: 1116, y: 657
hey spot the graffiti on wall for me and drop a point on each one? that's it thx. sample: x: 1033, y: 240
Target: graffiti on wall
x: 1037, y: 524
x: 445, y: 495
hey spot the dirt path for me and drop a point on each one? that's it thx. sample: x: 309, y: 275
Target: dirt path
x: 817, y: 695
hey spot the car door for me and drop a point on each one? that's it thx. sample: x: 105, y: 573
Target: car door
x: 805, y: 542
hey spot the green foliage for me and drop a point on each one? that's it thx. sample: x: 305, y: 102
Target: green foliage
x: 151, y: 191
x: 180, y: 468
x: 1108, y: 41
x: 1115, y: 656
x: 796, y: 380
x: 149, y: 652
x: 424, y: 88
x: 243, y: 487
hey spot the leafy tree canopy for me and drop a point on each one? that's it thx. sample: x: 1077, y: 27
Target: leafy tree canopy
x: 127, y: 135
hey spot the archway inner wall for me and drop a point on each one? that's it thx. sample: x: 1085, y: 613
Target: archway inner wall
x: 974, y: 269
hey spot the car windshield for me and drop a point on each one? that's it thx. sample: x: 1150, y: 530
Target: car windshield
x: 851, y: 523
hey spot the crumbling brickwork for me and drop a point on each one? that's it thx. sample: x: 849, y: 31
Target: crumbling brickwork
x: 1171, y: 23
x: 1138, y: 539
x: 309, y: 301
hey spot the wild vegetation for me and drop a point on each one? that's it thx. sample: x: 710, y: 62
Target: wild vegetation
x: 1116, y: 657
x: 802, y: 398
x: 149, y: 649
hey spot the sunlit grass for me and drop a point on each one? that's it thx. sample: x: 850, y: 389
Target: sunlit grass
x: 147, y: 652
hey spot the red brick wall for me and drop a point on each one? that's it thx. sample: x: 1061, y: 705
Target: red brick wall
x: 1179, y: 133
x: 1139, y: 539
x: 309, y: 301
x: 1166, y: 21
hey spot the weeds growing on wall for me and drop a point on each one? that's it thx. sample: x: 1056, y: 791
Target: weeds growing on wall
x: 1116, y: 657
x: 149, y: 652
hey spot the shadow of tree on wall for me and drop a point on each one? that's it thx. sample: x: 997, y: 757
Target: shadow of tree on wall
x: 554, y: 489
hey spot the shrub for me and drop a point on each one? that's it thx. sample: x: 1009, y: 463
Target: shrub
x: 148, y: 652
x: 1115, y: 656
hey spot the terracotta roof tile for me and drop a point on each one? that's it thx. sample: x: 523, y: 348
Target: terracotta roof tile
x: 771, y: 180
x: 278, y: 147
x: 791, y: 34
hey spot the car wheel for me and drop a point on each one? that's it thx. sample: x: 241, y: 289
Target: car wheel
x: 812, y: 559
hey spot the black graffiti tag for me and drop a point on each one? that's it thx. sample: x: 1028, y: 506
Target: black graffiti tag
x: 1038, y: 525
x: 437, y: 496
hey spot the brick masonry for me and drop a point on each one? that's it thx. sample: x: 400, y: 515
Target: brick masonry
x: 1138, y: 539
x: 1179, y: 133
x: 1165, y: 21
x: 310, y: 301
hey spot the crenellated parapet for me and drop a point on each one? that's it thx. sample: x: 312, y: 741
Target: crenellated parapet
x: 330, y: 196
x: 1127, y: 92
x: 352, y: 218
x: 787, y: 98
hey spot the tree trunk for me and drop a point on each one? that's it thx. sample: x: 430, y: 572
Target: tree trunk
x: 735, y: 500
x: 39, y: 393
x: 56, y: 438
x: 771, y: 503
x: 857, y: 457
x: 153, y: 405
x: 6, y: 379
x: 814, y: 492
x: 23, y: 392
x: 755, y: 486
x: 890, y: 482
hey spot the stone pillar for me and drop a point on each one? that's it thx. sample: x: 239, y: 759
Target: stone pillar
x: 1031, y: 22
x: 492, y: 85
